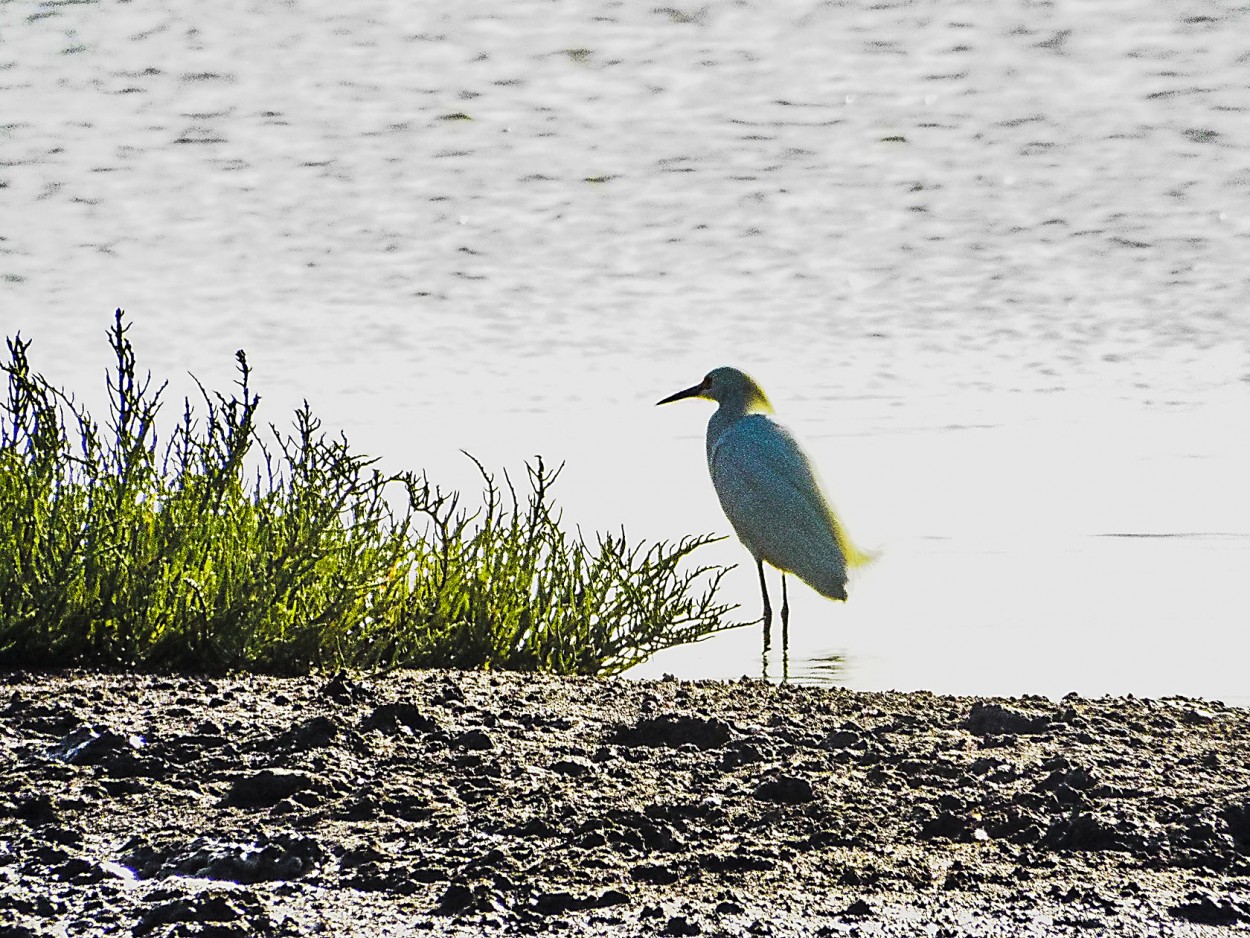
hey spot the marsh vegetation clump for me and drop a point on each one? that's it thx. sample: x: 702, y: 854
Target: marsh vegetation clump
x: 236, y: 546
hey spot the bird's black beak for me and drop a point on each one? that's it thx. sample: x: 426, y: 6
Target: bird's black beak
x: 696, y: 391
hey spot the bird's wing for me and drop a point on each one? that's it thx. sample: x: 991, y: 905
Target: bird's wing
x: 772, y: 498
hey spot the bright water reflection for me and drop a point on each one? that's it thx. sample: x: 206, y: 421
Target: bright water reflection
x: 989, y: 260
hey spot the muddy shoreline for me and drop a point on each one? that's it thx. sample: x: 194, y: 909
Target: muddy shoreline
x: 456, y: 803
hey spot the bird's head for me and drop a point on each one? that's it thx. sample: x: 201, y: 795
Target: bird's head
x: 729, y: 387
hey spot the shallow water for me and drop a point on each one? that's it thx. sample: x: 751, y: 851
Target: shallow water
x: 990, y: 262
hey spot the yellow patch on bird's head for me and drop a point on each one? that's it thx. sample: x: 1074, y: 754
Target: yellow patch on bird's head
x: 729, y: 384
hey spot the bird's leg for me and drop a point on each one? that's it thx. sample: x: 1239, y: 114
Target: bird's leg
x: 768, y: 608
x: 785, y: 607
x: 785, y: 631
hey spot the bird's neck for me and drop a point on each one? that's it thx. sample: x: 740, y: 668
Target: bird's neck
x: 730, y: 412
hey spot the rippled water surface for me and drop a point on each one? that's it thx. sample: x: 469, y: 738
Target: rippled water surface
x: 991, y: 261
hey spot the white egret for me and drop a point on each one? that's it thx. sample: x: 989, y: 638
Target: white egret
x: 769, y: 491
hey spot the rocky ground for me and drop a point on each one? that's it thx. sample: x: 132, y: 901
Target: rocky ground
x: 459, y: 803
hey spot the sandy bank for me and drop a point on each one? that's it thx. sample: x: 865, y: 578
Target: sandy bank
x: 458, y: 802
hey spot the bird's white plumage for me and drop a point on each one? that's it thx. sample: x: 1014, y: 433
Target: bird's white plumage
x: 770, y: 494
